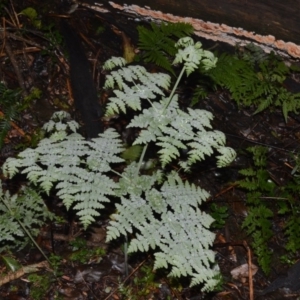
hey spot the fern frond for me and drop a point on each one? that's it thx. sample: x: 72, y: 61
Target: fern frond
x: 114, y: 62
x: 174, y: 130
x: 264, y: 104
x: 179, y: 246
x: 292, y: 229
x: 153, y: 119
x: 204, y: 144
x: 174, y: 229
x: 249, y: 184
x: 191, y: 55
x: 227, y: 156
x: 248, y: 172
x: 169, y: 149
x: 200, y: 119
x: 251, y: 84
x: 176, y: 192
x: 258, y: 224
x: 135, y: 84
x: 158, y: 43
x: 289, y: 102
x: 74, y: 166
x: 11, y: 167
x: 130, y: 184
x: 28, y: 208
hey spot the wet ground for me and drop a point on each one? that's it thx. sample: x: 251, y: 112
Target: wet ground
x: 88, y: 268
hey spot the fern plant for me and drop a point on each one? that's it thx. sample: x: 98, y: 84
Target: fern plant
x: 76, y: 167
x: 290, y: 208
x: 21, y: 213
x: 255, y: 80
x: 158, y: 43
x: 158, y: 211
x: 258, y: 222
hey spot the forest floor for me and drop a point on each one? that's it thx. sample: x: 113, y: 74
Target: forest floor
x: 89, y: 268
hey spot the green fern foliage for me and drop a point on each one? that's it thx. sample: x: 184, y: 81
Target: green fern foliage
x: 284, y: 204
x: 158, y: 43
x: 258, y: 222
x: 292, y: 230
x: 257, y: 82
x: 26, y: 207
x: 289, y: 210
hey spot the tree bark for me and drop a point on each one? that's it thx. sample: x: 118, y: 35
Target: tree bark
x: 274, y: 24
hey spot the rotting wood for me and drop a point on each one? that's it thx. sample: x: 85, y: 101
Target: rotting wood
x: 274, y: 26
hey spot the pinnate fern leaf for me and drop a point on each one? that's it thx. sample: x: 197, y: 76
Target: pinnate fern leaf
x: 169, y: 221
x: 114, y: 62
x: 74, y: 166
x: 191, y: 55
x: 259, y: 225
x: 134, y: 83
x: 27, y: 207
x: 226, y: 157
x: 175, y: 130
x: 177, y: 192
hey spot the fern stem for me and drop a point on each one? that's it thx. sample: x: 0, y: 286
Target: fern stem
x: 142, y: 158
x: 174, y: 89
x: 117, y: 173
x: 27, y: 232
x: 34, y: 242
x: 126, y: 255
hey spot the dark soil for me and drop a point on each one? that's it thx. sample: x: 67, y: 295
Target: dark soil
x: 42, y: 62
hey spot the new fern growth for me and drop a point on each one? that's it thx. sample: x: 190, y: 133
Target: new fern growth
x: 159, y: 211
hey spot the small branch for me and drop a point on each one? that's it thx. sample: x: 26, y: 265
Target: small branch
x: 24, y: 270
x: 17, y: 128
x: 16, y: 67
x: 250, y: 277
x: 114, y: 291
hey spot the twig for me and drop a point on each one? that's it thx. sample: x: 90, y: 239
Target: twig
x: 225, y: 190
x: 16, y: 67
x: 25, y: 50
x: 138, y: 267
x: 16, y: 127
x: 250, y: 277
x: 4, y: 33
x: 15, y: 19
x: 24, y: 270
